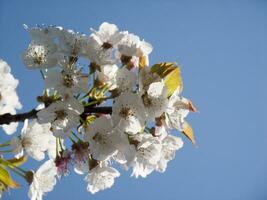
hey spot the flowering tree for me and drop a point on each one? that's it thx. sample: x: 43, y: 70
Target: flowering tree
x: 118, y: 109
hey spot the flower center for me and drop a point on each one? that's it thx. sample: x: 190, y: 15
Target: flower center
x: 68, y: 80
x: 146, y: 100
x: 60, y: 114
x: 125, y: 59
x: 126, y: 112
x: 100, y: 138
x: 106, y: 45
x: 26, y: 142
x: 38, y: 58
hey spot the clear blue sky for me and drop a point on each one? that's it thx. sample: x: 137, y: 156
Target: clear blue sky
x: 222, y: 48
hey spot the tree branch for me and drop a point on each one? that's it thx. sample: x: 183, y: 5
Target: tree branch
x: 8, y: 118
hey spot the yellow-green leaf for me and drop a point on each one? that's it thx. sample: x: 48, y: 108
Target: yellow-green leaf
x: 171, y: 74
x: 164, y: 68
x: 173, y: 81
x: 6, y: 179
x: 188, y: 132
x: 17, y: 161
x: 142, y: 62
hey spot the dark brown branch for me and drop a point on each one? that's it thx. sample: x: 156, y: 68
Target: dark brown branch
x: 7, y: 118
x: 103, y: 110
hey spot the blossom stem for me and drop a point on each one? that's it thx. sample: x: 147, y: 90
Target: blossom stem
x: 5, y: 151
x: 57, y: 152
x: 17, y: 172
x: 60, y: 145
x: 12, y: 166
x: 72, y: 140
x: 75, y: 136
x: 42, y: 73
x: 5, y: 144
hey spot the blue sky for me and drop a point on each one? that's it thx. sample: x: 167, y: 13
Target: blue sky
x: 222, y: 49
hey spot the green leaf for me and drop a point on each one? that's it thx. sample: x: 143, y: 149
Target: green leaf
x: 6, y: 179
x: 171, y: 74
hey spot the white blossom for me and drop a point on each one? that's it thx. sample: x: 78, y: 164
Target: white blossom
x: 108, y: 35
x: 129, y: 44
x: 146, y: 78
x: 125, y: 151
x: 131, y: 48
x: 128, y: 113
x: 161, y: 132
x: 96, y: 54
x: 9, y: 100
x: 107, y: 75
x: 44, y: 180
x: 170, y: 144
x: 40, y: 55
x: 148, y: 152
x: 144, y: 48
x: 178, y: 108
x: 125, y: 79
x: 35, y: 139
x: 43, y: 33
x: 100, y: 178
x: 117, y: 78
x: 71, y: 43
x: 101, y: 139
x: 155, y: 99
x: 67, y: 82
x: 63, y: 116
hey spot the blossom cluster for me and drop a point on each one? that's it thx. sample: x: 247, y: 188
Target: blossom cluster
x: 116, y: 110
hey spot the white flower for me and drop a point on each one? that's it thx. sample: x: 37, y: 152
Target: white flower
x: 71, y: 43
x: 96, y: 54
x: 107, y: 75
x: 148, y: 152
x: 178, y: 108
x: 100, y: 178
x: 101, y: 139
x: 128, y: 113
x: 146, y: 78
x: 63, y: 116
x: 129, y: 44
x: 63, y: 161
x: 40, y: 55
x: 131, y: 48
x: 121, y: 79
x: 35, y: 139
x: 67, y: 82
x: 125, y: 79
x: 170, y: 144
x: 125, y: 151
x: 52, y: 147
x: 9, y: 100
x: 80, y: 151
x: 155, y: 99
x: 81, y: 167
x: 144, y: 48
x: 44, y: 180
x: 43, y: 33
x: 161, y: 132
x: 108, y: 35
